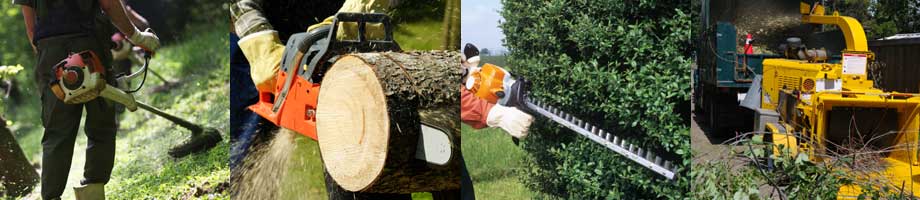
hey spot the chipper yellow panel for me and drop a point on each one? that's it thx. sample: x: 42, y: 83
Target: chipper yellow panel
x: 898, y: 134
x: 832, y: 109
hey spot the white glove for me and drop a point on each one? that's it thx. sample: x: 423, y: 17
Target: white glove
x: 121, y: 51
x: 510, y: 119
x: 145, y: 39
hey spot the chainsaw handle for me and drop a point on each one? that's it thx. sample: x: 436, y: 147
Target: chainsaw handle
x: 361, y: 19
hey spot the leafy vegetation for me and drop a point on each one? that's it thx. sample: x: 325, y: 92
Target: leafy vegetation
x: 621, y: 64
x: 882, y: 18
x: 746, y: 175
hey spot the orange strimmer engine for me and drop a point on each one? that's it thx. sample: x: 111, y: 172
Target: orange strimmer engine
x: 307, y: 56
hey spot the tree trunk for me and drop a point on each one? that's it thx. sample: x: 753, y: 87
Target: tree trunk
x: 446, y: 27
x: 17, y: 177
x: 454, y: 39
x: 369, y: 116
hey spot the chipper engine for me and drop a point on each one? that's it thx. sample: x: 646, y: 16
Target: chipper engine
x: 822, y: 107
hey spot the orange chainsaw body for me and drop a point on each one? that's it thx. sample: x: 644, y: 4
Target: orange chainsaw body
x: 298, y: 112
x: 298, y: 108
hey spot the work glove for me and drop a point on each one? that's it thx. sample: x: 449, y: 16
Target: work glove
x: 350, y: 30
x: 264, y: 52
x: 145, y: 39
x: 515, y: 122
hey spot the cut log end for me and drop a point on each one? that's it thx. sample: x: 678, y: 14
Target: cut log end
x: 370, y: 110
x: 352, y: 123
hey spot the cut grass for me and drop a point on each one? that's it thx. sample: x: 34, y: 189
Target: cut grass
x: 143, y: 169
x: 492, y: 160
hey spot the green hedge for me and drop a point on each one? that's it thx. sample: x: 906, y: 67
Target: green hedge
x: 623, y: 65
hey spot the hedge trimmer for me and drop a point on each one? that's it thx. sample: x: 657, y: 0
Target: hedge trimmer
x: 497, y: 85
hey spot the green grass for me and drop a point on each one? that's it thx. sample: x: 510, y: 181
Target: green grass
x: 495, y: 60
x: 142, y: 169
x: 305, y: 175
x: 421, y: 35
x: 492, y: 160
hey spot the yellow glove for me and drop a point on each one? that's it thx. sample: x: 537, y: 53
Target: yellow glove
x: 349, y: 30
x: 264, y: 51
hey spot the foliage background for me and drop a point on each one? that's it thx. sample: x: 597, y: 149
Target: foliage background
x: 882, y: 18
x: 623, y: 65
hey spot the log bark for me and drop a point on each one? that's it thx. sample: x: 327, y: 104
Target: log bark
x: 17, y: 177
x: 369, y: 115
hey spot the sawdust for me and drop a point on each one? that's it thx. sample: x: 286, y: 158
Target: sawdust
x: 769, y: 22
x: 264, y: 168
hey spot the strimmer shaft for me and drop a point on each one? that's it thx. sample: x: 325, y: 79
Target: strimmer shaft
x: 642, y: 156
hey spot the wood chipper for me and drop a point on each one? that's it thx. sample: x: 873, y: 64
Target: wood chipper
x: 808, y: 103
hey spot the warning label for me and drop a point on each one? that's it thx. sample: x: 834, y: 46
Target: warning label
x: 854, y: 64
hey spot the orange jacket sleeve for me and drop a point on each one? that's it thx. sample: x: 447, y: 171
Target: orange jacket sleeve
x: 473, y: 110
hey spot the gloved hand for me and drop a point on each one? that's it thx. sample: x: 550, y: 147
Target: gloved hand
x: 264, y: 52
x: 510, y: 119
x: 145, y: 39
x: 350, y: 30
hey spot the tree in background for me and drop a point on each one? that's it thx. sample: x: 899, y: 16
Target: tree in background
x: 486, y: 52
x: 883, y: 18
x: 451, y: 23
x: 623, y: 65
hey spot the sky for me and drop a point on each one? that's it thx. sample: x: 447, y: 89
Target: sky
x: 480, y: 24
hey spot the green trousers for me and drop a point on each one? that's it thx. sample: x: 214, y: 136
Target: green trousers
x: 62, y: 121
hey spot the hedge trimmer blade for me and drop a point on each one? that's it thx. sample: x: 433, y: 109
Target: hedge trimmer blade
x: 640, y: 155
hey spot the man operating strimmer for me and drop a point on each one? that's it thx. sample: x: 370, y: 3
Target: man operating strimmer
x: 57, y: 28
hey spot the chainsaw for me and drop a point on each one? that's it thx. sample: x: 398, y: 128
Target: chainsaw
x: 496, y: 85
x: 80, y: 78
x: 306, y: 58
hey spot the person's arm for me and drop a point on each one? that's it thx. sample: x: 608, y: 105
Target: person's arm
x: 137, y: 19
x: 116, y: 12
x: 479, y: 113
x: 473, y: 110
x: 28, y: 15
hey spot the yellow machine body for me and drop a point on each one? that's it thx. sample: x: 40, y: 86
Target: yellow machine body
x: 489, y: 82
x: 830, y: 104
